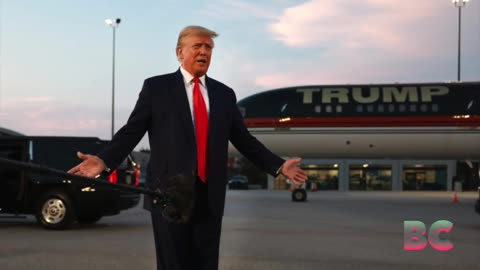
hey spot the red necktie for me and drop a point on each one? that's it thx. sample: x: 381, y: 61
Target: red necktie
x: 201, y: 129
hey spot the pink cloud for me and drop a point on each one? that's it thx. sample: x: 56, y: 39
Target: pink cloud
x: 389, y: 25
x: 364, y: 41
x: 356, y: 69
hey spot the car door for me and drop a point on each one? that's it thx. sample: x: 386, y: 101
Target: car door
x: 11, y: 180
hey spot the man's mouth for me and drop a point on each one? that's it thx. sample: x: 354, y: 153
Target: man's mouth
x: 203, y: 61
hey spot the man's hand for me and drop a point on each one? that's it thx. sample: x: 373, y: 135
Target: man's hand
x: 91, y: 166
x: 292, y: 172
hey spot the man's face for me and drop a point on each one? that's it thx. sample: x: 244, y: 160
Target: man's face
x: 195, y: 54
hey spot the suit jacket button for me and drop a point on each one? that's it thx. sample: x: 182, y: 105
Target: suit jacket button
x: 154, y: 201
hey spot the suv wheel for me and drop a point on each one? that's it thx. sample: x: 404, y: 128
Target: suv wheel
x: 55, y: 210
x: 299, y: 195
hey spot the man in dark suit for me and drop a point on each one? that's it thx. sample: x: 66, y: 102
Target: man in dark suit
x: 189, y: 118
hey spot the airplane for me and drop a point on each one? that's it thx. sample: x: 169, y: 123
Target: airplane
x: 397, y: 121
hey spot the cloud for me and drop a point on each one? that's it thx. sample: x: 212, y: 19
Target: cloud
x: 376, y: 24
x: 343, y: 41
x: 365, y: 41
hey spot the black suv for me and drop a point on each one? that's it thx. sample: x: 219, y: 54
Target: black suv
x: 238, y: 182
x: 58, y: 202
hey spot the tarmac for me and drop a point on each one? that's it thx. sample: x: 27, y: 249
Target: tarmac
x: 266, y: 230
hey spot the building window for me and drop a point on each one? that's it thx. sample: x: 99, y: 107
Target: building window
x: 370, y: 177
x: 435, y: 107
x: 321, y: 177
x: 381, y: 108
x: 339, y: 108
x: 424, y: 177
x: 318, y: 109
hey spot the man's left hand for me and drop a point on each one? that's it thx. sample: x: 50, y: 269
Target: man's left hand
x: 292, y: 172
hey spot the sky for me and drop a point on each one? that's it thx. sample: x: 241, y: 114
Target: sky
x: 56, y: 55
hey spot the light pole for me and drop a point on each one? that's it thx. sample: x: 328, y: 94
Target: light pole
x: 459, y: 4
x: 114, y: 24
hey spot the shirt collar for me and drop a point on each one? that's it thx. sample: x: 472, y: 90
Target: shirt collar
x: 189, y: 77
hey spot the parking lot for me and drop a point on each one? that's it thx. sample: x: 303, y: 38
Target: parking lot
x: 265, y: 230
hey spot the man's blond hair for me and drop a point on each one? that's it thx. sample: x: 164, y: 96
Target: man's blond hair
x: 193, y: 30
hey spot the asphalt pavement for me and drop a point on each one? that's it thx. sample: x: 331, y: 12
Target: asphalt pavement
x: 266, y: 230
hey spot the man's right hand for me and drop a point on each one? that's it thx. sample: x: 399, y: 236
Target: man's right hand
x: 91, y: 166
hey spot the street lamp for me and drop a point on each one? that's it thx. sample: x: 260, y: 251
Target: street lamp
x: 114, y: 24
x: 459, y: 4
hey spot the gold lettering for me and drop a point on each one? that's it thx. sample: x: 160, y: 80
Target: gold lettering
x: 358, y: 97
x: 307, y: 94
x: 330, y: 93
x: 429, y: 91
x: 407, y: 93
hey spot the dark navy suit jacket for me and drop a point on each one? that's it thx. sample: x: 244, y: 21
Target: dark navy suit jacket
x: 163, y: 111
